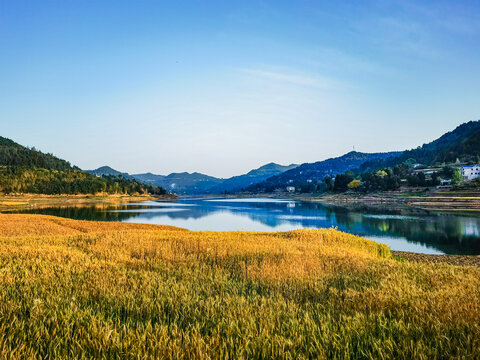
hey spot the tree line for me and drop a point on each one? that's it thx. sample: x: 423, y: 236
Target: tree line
x: 384, y: 179
x: 13, y: 154
x: 15, y: 179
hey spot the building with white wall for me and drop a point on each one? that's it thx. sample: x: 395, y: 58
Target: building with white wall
x: 470, y: 172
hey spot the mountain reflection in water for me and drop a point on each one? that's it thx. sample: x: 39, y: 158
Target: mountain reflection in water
x: 401, y: 230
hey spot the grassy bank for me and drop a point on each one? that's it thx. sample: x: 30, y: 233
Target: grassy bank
x: 74, y: 289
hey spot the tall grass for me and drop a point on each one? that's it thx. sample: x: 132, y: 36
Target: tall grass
x: 73, y: 289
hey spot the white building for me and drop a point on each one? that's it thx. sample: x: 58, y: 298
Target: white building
x: 445, y: 184
x: 290, y: 188
x: 470, y: 172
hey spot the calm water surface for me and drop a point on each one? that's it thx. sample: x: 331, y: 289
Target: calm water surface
x: 425, y: 233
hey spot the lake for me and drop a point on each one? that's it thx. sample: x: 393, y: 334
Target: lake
x: 424, y: 232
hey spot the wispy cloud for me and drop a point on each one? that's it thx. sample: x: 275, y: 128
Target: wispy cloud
x: 294, y: 78
x: 459, y: 17
x: 410, y: 30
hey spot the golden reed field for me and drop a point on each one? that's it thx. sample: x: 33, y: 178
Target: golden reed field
x: 78, y: 289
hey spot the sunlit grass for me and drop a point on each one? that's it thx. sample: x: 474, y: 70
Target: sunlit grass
x: 12, y: 203
x: 79, y: 289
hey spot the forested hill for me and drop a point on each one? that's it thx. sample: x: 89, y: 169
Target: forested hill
x: 311, y: 173
x: 13, y: 154
x: 462, y: 143
x: 183, y: 183
x: 108, y: 171
x: 253, y: 177
x: 24, y: 170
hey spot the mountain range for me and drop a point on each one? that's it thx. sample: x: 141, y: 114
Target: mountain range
x: 459, y: 145
x: 315, y: 172
x: 462, y: 143
x: 196, y: 183
x: 183, y: 183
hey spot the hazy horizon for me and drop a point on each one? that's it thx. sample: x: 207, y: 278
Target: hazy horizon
x: 223, y: 88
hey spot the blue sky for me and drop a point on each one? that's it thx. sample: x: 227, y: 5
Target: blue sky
x: 224, y: 87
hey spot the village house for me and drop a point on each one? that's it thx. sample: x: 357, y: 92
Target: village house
x: 470, y: 172
x: 445, y: 184
x: 291, y: 188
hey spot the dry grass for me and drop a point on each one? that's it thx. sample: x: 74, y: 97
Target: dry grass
x: 40, y: 225
x: 77, y: 289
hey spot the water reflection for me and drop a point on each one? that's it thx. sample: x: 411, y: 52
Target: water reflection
x: 400, y: 229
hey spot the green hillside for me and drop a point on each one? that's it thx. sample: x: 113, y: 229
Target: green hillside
x: 13, y: 154
x: 466, y: 149
x: 462, y: 143
x: 426, y: 166
x: 24, y: 170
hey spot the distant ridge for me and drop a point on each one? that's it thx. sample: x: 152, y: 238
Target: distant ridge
x: 314, y: 172
x: 196, y: 183
x: 462, y: 143
x: 183, y: 183
x: 255, y: 176
x: 108, y: 171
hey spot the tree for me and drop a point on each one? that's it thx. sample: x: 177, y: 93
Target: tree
x: 401, y: 170
x: 342, y: 181
x: 422, y: 179
x: 448, y: 171
x: 328, y: 183
x: 382, y: 173
x: 457, y: 177
x: 435, y: 179
x: 45, y: 181
x: 354, y: 184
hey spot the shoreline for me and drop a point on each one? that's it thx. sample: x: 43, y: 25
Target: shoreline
x: 82, y: 200
x: 28, y: 201
x: 438, y: 201
x: 419, y: 201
